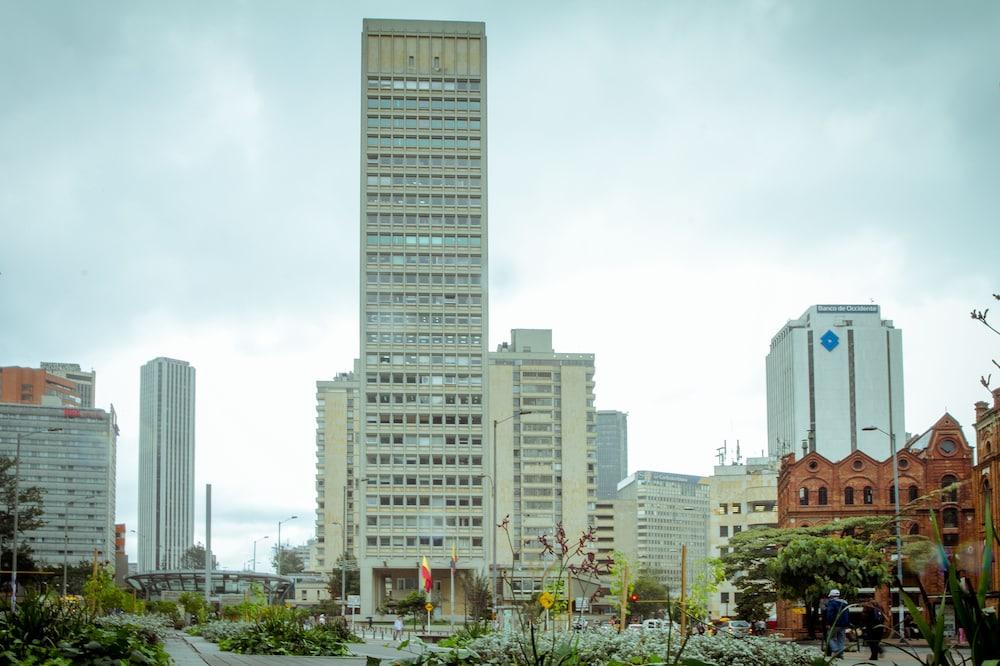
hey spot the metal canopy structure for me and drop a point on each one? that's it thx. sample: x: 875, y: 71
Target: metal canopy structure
x: 161, y: 584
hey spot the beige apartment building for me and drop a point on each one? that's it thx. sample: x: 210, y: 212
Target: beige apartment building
x: 543, y: 405
x: 742, y: 496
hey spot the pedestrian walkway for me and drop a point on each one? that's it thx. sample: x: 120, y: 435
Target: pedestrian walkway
x: 196, y: 651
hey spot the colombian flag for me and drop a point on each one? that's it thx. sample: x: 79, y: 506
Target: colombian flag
x: 425, y: 574
x: 454, y: 557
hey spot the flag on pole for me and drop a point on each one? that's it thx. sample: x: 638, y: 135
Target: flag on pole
x: 425, y: 574
x: 454, y: 557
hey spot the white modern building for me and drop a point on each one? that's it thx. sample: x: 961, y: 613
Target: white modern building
x: 830, y: 373
x: 422, y: 440
x: 742, y: 496
x: 70, y: 455
x: 166, y: 463
x: 543, y: 404
x: 612, y: 452
x: 671, y: 511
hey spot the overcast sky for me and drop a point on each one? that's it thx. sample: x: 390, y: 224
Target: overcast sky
x: 669, y: 183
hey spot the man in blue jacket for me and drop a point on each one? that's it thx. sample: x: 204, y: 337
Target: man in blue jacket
x: 838, y: 618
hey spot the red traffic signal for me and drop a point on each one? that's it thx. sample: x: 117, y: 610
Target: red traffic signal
x: 633, y: 597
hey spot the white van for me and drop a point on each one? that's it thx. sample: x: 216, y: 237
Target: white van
x: 660, y: 625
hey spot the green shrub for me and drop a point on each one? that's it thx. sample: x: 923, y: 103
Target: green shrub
x: 280, y: 631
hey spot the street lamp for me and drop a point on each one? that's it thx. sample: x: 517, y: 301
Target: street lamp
x: 66, y: 534
x: 279, y: 540
x: 17, y: 490
x: 899, y: 539
x: 497, y: 422
x: 255, y: 551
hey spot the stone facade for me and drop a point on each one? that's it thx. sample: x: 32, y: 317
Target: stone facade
x: 815, y: 490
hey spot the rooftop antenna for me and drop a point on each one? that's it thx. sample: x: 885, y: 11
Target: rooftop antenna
x: 739, y: 457
x: 720, y: 453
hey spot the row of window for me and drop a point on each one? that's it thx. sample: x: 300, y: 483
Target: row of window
x: 424, y: 459
x: 435, y: 501
x: 424, y: 521
x: 424, y: 379
x: 397, y: 298
x: 393, y: 259
x: 423, y: 104
x: 868, y: 493
x: 431, y: 240
x: 386, y: 358
x: 398, y: 439
x: 423, y: 419
x: 424, y: 399
x: 414, y: 318
x: 372, y: 141
x: 423, y: 339
x: 458, y: 279
x: 413, y: 180
x: 430, y: 480
x: 448, y: 85
x: 425, y: 123
x: 461, y: 161
x: 425, y: 541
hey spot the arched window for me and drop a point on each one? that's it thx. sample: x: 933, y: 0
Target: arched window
x: 821, y: 496
x: 913, y: 493
x: 892, y: 494
x: 803, y: 497
x: 914, y: 529
x: 951, y: 495
x: 848, y: 495
x: 868, y: 495
x: 950, y: 518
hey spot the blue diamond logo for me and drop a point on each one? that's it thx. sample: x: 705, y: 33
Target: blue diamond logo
x: 829, y: 340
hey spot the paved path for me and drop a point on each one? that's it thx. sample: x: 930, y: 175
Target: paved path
x: 196, y: 651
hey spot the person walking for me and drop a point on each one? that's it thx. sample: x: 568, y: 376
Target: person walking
x: 873, y: 622
x: 397, y: 628
x: 838, y: 619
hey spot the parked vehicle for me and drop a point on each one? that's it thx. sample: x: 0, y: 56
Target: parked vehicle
x: 736, y: 627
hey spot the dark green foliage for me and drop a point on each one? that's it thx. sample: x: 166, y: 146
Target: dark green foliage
x: 194, y: 558
x: 754, y: 602
x: 465, y: 635
x: 280, y: 631
x: 478, y: 599
x: 51, y: 631
x: 652, y: 597
x: 291, y: 562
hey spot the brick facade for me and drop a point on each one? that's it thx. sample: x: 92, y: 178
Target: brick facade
x: 987, y: 472
x: 815, y: 490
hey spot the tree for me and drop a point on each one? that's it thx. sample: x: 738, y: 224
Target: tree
x: 705, y: 585
x: 291, y: 561
x: 412, y: 605
x: 29, y: 517
x: 333, y: 581
x: 194, y: 558
x: 652, y: 596
x: 980, y: 316
x: 754, y: 603
x: 103, y: 596
x: 478, y: 599
x: 809, y: 567
x: 76, y: 576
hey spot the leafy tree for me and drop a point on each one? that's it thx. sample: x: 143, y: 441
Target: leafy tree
x: 29, y: 517
x: 194, y: 604
x: 755, y: 602
x: 353, y: 577
x: 652, y: 597
x: 103, y: 596
x: 478, y: 599
x: 808, y: 567
x: 291, y: 561
x: 194, y: 558
x: 705, y: 584
x: 76, y: 576
x: 411, y: 605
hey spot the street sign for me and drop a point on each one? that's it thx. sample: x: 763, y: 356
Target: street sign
x: 354, y: 601
x: 428, y: 607
x: 799, y: 610
x: 546, y: 600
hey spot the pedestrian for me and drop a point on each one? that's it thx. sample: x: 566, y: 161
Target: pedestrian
x: 873, y: 623
x: 838, y: 618
x: 322, y: 619
x: 397, y: 628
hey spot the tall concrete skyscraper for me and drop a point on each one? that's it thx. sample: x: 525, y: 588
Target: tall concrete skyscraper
x: 830, y: 373
x: 612, y: 452
x: 423, y: 432
x: 166, y: 463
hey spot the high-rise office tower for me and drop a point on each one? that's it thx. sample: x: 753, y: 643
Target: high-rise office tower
x: 422, y: 427
x: 612, y: 452
x: 543, y: 404
x: 166, y: 463
x: 85, y: 381
x: 830, y: 373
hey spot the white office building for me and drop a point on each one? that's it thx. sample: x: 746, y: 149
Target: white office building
x: 166, y: 463
x: 830, y: 373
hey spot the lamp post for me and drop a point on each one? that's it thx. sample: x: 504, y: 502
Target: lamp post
x: 255, y: 551
x: 66, y: 536
x: 17, y: 490
x: 497, y: 422
x: 279, y: 540
x: 899, y: 539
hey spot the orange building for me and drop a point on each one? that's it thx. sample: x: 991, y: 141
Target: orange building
x: 29, y: 386
x: 986, y: 473
x: 815, y: 490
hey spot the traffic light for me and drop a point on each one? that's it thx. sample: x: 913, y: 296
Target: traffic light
x: 633, y: 597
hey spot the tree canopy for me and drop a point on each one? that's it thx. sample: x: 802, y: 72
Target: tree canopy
x: 291, y: 562
x: 194, y: 558
x: 31, y: 508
